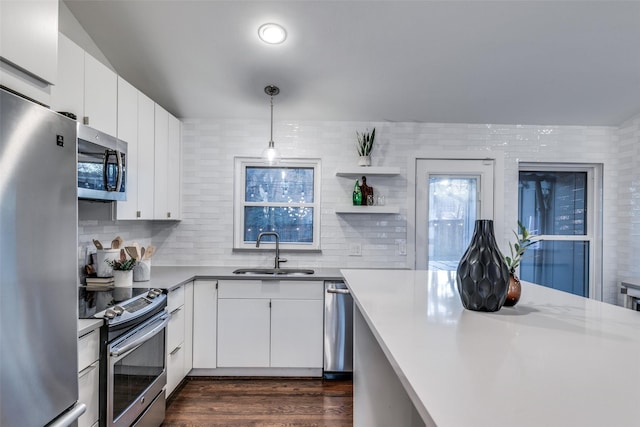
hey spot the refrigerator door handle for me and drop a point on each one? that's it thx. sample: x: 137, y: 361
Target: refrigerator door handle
x: 338, y: 291
x: 69, y: 417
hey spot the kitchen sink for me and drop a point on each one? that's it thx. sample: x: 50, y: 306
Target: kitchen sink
x: 274, y: 271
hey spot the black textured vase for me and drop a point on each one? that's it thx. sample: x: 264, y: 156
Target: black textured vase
x: 483, y: 275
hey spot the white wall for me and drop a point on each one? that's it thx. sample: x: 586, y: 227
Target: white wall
x: 627, y: 244
x: 205, y: 235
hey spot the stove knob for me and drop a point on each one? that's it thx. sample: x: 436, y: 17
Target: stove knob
x: 118, y: 310
x: 154, y: 293
x: 109, y: 313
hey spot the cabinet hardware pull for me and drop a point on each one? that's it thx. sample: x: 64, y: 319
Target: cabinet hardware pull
x: 338, y: 291
x: 88, y: 369
x: 177, y: 349
x: 175, y: 311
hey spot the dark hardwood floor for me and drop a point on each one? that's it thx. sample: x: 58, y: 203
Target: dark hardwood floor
x: 262, y: 402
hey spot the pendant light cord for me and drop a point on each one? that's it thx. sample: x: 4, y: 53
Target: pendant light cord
x: 271, y: 143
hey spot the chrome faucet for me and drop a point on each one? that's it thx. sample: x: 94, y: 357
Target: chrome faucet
x: 278, y: 260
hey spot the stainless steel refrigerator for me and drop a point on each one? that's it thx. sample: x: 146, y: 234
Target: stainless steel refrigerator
x: 38, y: 266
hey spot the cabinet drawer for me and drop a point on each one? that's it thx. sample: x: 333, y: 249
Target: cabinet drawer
x: 282, y: 289
x: 88, y: 392
x: 175, y: 298
x: 175, y: 329
x: 175, y: 368
x: 88, y: 349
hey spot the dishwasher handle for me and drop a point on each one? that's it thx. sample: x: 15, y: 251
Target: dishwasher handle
x: 338, y: 291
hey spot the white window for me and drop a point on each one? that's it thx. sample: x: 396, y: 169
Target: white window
x: 560, y: 203
x: 284, y: 198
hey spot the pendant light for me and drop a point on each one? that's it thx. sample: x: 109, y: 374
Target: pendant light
x: 271, y: 155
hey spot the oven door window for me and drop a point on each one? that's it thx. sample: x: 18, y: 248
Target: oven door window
x: 135, y: 372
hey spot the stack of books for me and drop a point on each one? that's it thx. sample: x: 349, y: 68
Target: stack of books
x: 100, y: 282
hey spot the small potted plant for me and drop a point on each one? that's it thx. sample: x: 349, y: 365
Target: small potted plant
x: 122, y: 270
x: 517, y: 250
x: 365, y: 146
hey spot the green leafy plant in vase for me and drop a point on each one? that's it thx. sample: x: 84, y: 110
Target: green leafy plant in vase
x: 122, y: 269
x: 365, y: 146
x: 523, y: 240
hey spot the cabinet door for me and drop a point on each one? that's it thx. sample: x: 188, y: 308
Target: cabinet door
x: 128, y: 132
x: 29, y: 35
x: 188, y: 328
x: 175, y: 365
x: 205, y: 316
x: 175, y: 330
x: 173, y: 168
x: 68, y: 94
x: 100, y: 96
x: 145, y: 156
x: 88, y: 393
x: 297, y: 333
x: 243, y: 333
x: 161, y: 146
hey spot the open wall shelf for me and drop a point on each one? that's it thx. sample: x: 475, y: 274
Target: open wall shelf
x: 358, y: 171
x: 350, y: 209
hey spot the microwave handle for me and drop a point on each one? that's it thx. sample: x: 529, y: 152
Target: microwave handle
x: 105, y: 162
x: 120, y: 171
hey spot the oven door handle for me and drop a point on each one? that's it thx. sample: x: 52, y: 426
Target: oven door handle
x: 117, y: 351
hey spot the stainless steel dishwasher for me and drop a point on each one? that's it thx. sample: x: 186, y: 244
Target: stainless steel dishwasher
x: 338, y: 331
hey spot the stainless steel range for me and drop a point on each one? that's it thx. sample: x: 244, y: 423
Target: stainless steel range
x: 133, y: 366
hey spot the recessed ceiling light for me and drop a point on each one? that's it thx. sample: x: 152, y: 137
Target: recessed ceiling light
x: 272, y: 33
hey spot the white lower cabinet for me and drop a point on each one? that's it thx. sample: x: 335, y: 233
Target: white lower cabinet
x: 243, y: 333
x: 297, y: 328
x: 89, y: 377
x: 179, y: 308
x: 271, y: 323
x: 205, y: 295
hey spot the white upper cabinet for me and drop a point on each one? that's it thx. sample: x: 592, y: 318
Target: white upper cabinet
x: 128, y: 132
x: 100, y: 96
x: 174, y: 159
x: 86, y: 88
x: 68, y: 94
x: 161, y: 157
x: 145, y: 161
x: 29, y: 43
x: 167, y: 165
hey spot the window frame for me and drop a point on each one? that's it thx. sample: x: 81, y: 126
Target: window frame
x: 239, y: 202
x: 593, y: 232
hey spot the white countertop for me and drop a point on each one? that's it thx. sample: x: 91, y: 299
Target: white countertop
x: 87, y: 325
x: 555, y: 359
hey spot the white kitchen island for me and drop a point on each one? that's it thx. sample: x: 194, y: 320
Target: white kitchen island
x: 555, y: 359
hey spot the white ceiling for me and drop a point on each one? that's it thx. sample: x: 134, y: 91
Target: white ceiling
x: 509, y: 62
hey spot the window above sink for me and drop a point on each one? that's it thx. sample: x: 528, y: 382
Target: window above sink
x: 282, y: 198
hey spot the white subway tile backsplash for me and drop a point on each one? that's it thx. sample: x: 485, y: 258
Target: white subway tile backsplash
x: 204, y: 236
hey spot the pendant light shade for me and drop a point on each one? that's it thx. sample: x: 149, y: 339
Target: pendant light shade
x: 271, y: 155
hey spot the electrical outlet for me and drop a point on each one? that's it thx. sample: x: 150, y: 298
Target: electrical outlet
x: 355, y: 249
x: 402, y: 247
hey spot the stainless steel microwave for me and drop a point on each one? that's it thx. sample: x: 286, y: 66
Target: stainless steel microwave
x: 102, y: 165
